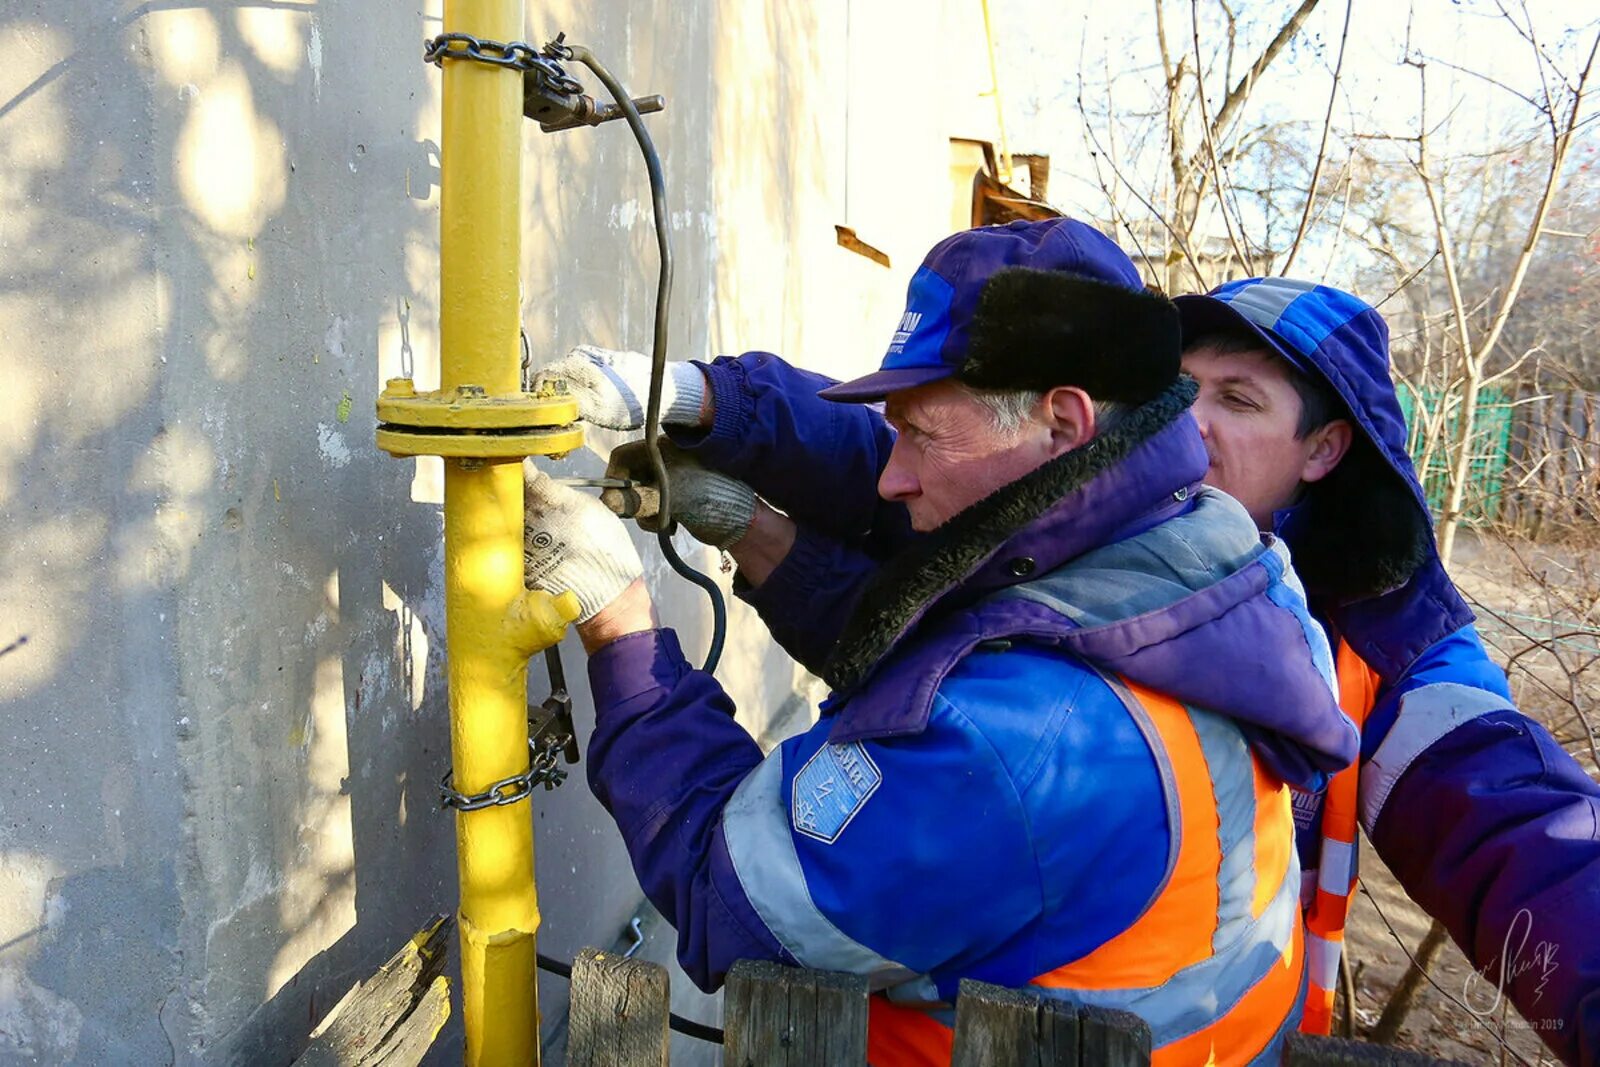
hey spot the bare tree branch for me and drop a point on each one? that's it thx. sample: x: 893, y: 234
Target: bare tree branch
x: 1211, y: 145
x: 1322, y: 148
x: 1241, y: 92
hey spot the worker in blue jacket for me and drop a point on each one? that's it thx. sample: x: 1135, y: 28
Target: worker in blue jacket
x: 1065, y: 715
x: 1485, y: 820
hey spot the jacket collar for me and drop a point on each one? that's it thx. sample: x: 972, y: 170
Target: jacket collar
x: 1414, y: 607
x: 1134, y: 475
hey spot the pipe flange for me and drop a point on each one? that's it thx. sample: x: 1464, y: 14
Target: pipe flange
x: 466, y: 423
x: 403, y: 441
x: 468, y: 407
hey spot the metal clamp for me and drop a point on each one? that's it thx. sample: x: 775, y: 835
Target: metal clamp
x: 553, y: 718
x: 551, y: 739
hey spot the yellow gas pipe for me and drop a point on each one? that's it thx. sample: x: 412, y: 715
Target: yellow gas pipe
x: 480, y: 233
x: 493, y: 623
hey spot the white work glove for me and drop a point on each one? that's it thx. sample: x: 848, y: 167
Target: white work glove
x: 572, y: 542
x: 613, y: 388
x: 715, y: 508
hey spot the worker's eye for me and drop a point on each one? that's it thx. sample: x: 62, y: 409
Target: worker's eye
x: 1239, y: 401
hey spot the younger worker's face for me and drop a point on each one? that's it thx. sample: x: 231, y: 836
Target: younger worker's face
x: 1248, y: 411
x: 948, y: 455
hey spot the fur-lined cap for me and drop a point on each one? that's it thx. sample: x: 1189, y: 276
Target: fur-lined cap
x: 1038, y: 329
x: 1029, y: 305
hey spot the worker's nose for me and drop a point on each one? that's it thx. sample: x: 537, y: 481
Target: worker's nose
x: 1202, y: 417
x: 898, y: 480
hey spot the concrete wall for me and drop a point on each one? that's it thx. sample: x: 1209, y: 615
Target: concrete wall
x: 218, y: 236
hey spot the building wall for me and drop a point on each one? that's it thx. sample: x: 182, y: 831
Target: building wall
x: 218, y: 236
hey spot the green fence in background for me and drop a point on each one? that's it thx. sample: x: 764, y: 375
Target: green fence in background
x: 1491, y: 451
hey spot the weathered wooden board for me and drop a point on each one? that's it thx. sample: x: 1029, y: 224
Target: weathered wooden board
x: 619, y: 1012
x: 775, y: 1016
x: 1306, y: 1051
x: 391, y: 1019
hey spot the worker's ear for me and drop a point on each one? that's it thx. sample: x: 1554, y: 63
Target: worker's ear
x: 1328, y: 446
x: 1068, y: 413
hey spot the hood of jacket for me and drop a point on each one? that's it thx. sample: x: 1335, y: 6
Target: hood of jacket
x: 1116, y: 554
x: 1362, y: 538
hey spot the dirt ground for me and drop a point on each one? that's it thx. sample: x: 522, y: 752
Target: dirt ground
x: 1537, y: 609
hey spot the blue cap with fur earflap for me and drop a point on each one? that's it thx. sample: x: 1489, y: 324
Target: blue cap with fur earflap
x: 1029, y: 305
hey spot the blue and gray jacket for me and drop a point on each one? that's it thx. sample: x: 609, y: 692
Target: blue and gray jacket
x: 1487, y: 822
x: 976, y: 799
x: 1482, y: 816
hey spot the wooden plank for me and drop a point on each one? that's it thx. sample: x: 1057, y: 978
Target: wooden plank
x: 1306, y: 1051
x: 409, y: 1042
x: 618, y: 1016
x: 1113, y: 1038
x: 1589, y: 497
x: 1541, y: 448
x: 997, y: 1025
x: 1572, y: 452
x: 392, y: 1018
x: 775, y: 1015
x: 1014, y: 1026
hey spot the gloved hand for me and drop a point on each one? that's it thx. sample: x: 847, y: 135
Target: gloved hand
x: 716, y: 509
x: 613, y: 388
x: 570, y: 541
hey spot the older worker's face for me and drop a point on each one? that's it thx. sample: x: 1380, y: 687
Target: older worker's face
x: 949, y: 454
x: 1249, y: 415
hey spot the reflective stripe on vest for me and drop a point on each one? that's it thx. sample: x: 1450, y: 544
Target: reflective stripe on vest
x: 1214, y: 964
x: 1328, y: 906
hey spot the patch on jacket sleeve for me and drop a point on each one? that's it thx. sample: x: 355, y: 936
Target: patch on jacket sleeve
x: 831, y: 788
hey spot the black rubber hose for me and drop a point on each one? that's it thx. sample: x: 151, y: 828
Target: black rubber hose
x: 658, y: 351
x: 719, y: 609
x: 658, y: 209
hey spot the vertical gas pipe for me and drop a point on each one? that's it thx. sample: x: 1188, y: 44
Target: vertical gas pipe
x: 480, y: 255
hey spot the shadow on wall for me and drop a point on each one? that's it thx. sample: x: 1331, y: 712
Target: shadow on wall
x: 218, y: 222
x: 225, y: 726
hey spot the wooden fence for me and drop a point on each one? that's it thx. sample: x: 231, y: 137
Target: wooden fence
x: 773, y: 1017
x: 784, y: 1017
x: 1552, y: 478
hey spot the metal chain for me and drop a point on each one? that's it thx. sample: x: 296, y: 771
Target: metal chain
x: 551, y: 740
x: 513, y: 55
x: 544, y: 768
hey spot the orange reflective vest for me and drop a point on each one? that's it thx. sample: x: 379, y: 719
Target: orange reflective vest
x: 1214, y: 964
x: 1333, y: 883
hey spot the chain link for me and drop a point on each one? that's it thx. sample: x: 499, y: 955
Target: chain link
x: 513, y: 55
x: 544, y: 768
x: 551, y: 739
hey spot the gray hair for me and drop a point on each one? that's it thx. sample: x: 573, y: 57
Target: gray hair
x: 1010, y: 408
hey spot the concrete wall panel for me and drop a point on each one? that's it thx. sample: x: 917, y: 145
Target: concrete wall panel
x: 225, y: 720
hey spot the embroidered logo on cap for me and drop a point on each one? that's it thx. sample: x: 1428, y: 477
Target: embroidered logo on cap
x: 831, y: 788
x: 920, y: 334
x: 908, y: 324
